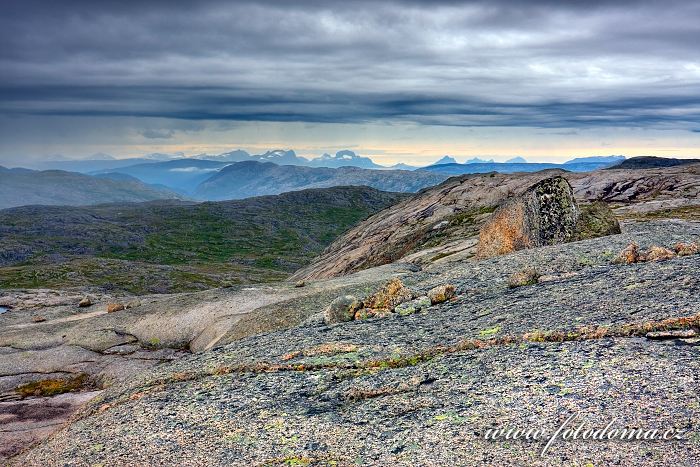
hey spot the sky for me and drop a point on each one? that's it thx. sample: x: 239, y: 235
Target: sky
x: 399, y: 81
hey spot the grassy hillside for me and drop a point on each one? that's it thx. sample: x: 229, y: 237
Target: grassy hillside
x: 174, y: 246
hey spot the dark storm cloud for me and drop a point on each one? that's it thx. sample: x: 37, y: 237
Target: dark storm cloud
x: 542, y: 63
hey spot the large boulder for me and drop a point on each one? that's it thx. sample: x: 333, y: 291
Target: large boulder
x: 342, y: 309
x: 545, y: 214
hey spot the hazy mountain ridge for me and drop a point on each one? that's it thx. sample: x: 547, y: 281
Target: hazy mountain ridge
x: 19, y: 187
x: 251, y: 178
x: 506, y: 167
x: 182, y: 175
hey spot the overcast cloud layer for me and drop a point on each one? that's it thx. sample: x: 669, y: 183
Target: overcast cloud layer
x: 495, y: 63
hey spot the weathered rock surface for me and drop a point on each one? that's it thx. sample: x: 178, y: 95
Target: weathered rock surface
x: 378, y: 391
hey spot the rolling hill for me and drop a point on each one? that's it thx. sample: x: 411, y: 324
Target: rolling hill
x: 166, y: 246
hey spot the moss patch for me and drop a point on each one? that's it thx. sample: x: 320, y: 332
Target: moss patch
x: 52, y: 387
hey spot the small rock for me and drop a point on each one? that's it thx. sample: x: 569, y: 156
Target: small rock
x: 38, y: 319
x: 113, y: 307
x: 527, y: 276
x: 85, y: 302
x: 629, y: 255
x: 342, y: 309
x: 300, y: 284
x: 441, y: 293
x: 687, y: 249
x: 675, y: 334
x: 133, y: 304
x: 658, y: 253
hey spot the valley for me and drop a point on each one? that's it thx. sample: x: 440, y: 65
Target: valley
x: 175, y: 246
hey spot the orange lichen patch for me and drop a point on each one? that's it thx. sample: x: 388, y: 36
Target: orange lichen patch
x: 222, y: 370
x: 358, y: 394
x: 366, y: 313
x: 136, y: 396
x: 52, y: 387
x: 629, y: 255
x: 181, y: 376
x: 388, y: 297
x: 104, y: 408
x: 658, y: 253
x: 504, y: 232
x: 290, y: 355
x: 331, y: 348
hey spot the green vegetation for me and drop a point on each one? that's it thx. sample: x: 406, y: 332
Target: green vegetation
x: 176, y: 246
x: 490, y: 331
x: 689, y: 213
x: 596, y: 220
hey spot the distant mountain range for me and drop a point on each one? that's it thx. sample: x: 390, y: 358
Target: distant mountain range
x: 445, y: 160
x: 253, y: 178
x: 582, y: 164
x: 182, y: 175
x: 19, y: 187
x: 237, y: 174
x: 344, y: 158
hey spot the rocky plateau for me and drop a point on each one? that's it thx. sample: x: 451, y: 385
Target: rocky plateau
x: 257, y: 375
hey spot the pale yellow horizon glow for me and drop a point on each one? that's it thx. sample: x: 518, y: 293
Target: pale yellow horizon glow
x: 386, y: 144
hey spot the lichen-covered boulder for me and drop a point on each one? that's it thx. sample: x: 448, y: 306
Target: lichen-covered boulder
x: 528, y: 276
x: 545, y: 214
x: 388, y: 297
x: 342, y: 309
x: 596, y: 220
x: 441, y: 293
